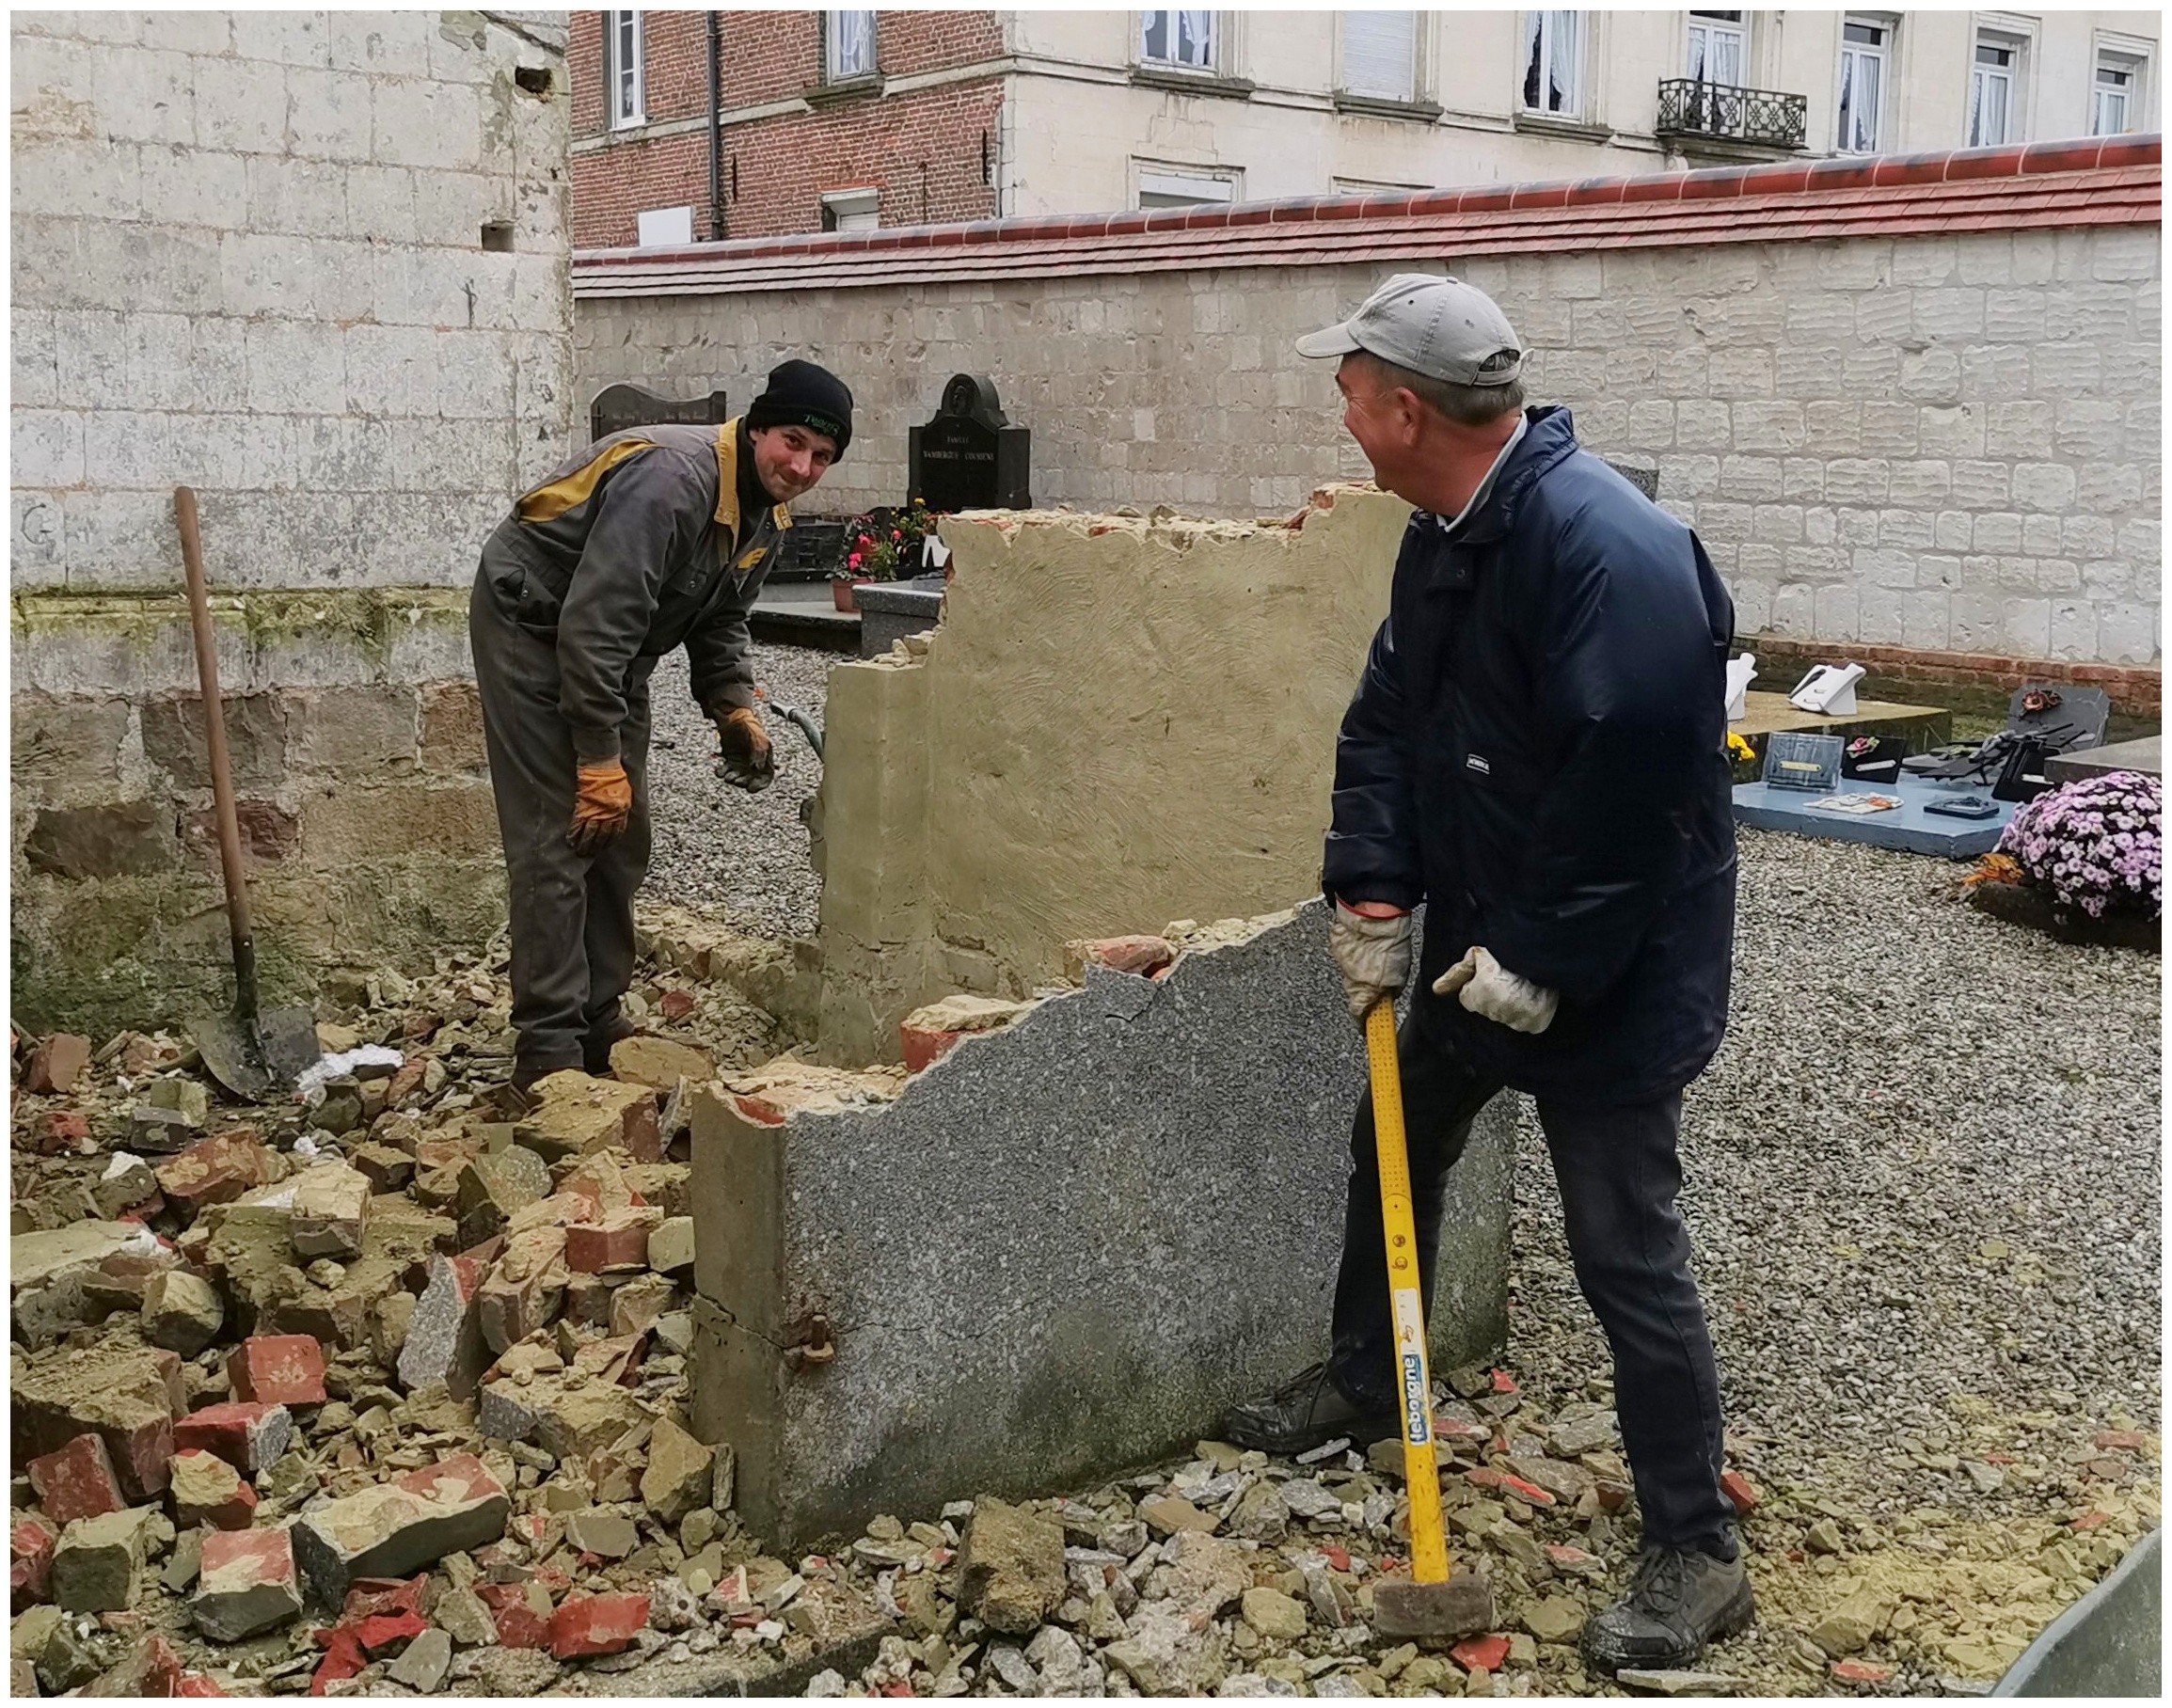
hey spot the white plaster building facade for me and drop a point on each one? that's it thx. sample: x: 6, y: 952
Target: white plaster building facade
x: 1125, y: 109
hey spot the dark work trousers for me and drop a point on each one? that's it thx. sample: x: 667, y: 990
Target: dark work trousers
x: 1619, y: 1176
x: 573, y: 938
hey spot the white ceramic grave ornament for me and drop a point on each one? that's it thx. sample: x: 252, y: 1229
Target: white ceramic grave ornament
x: 1742, y: 673
x: 1828, y: 689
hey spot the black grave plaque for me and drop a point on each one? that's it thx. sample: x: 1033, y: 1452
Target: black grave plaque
x: 618, y: 407
x: 969, y: 457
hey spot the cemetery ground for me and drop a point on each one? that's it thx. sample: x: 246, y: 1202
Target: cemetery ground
x: 1922, y: 1184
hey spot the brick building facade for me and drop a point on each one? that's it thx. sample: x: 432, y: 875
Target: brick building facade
x: 804, y: 141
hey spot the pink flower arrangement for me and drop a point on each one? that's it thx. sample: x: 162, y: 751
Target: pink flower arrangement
x: 2096, y: 845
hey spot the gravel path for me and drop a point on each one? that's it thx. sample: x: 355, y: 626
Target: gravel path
x: 1925, y: 1163
x: 740, y: 857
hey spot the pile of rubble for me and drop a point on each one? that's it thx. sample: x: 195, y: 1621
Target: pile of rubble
x: 378, y: 1387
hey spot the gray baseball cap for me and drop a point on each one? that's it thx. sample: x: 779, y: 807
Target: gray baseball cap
x: 1432, y: 325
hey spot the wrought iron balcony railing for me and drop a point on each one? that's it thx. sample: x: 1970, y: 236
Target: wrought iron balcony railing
x: 1689, y: 106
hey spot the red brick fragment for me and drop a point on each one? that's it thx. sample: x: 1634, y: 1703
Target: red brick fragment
x: 1144, y: 956
x: 1742, y: 1492
x: 247, y: 1434
x: 2090, y: 1521
x: 217, y: 1171
x: 676, y: 1004
x: 922, y: 1047
x: 343, y: 1658
x: 519, y: 1624
x: 2131, y: 1441
x: 30, y: 1563
x: 1487, y: 1477
x: 619, y: 1241
x: 383, y: 1597
x: 596, y: 1624
x: 1335, y: 1556
x: 200, y: 1683
x: 236, y: 1508
x: 151, y: 1668
x: 77, y: 1481
x: 278, y: 1369
x: 1504, y: 1384
x: 63, y: 1133
x: 1488, y: 1651
x: 56, y: 1064
x: 1861, y: 1672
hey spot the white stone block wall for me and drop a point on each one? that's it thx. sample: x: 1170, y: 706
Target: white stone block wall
x: 1948, y: 443
x: 249, y: 259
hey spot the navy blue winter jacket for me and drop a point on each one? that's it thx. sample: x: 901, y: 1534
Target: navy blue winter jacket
x: 1536, y: 752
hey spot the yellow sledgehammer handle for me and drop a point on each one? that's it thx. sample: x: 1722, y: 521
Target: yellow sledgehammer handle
x: 1421, y: 1471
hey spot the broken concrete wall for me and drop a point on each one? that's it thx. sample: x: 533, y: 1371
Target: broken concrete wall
x: 1061, y: 1250
x: 1121, y: 722
x: 313, y: 266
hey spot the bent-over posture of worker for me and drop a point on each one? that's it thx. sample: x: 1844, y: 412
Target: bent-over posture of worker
x: 1534, y: 751
x: 650, y: 539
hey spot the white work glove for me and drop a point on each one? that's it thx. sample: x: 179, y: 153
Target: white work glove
x: 1373, y: 955
x: 1492, y: 992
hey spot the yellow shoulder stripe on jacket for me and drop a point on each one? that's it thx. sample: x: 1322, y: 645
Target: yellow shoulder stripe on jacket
x: 569, y: 492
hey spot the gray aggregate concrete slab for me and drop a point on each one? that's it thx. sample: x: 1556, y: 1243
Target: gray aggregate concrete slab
x: 1064, y: 1249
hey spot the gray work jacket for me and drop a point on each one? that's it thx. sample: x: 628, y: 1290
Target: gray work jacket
x: 635, y: 545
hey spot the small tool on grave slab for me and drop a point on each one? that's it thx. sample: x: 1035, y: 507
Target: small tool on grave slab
x: 1434, y: 1601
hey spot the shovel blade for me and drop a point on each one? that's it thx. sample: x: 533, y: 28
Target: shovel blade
x: 254, y: 1061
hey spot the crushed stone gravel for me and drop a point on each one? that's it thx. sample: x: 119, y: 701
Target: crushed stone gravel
x: 742, y: 857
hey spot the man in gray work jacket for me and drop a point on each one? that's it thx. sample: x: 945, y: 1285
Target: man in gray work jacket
x: 650, y: 539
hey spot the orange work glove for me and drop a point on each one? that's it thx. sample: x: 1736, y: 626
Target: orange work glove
x: 743, y: 756
x: 602, y: 805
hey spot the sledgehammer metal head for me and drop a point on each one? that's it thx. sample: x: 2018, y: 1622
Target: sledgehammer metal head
x: 1462, y: 1606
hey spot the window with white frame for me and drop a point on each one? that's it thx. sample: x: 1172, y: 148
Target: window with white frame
x: 1192, y: 39
x: 847, y: 46
x: 1553, y: 63
x: 1380, y: 55
x: 1178, y: 187
x: 2117, y: 99
x: 855, y: 210
x: 1865, y: 54
x: 1995, y: 90
x: 622, y: 68
x: 1717, y: 48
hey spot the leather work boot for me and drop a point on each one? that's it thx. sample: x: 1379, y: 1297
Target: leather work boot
x: 1679, y: 1600
x: 1303, y: 1412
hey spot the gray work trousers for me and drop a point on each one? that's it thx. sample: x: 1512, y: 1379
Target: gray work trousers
x: 573, y: 935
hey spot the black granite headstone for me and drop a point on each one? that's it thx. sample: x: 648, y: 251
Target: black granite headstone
x: 618, y: 407
x: 969, y: 457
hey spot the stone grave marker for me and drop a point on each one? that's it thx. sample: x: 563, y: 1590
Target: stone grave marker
x: 618, y: 407
x: 969, y: 457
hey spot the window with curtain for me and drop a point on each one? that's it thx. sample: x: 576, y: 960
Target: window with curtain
x: 2118, y: 90
x: 1993, y: 87
x: 1716, y: 42
x: 1380, y: 55
x: 1186, y: 38
x: 622, y: 67
x: 1864, y: 50
x: 848, y: 45
x: 1553, y: 62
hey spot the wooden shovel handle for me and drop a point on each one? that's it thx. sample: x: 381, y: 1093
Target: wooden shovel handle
x: 214, y: 732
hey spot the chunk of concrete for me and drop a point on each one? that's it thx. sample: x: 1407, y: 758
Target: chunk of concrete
x: 181, y: 1312
x: 574, y: 1114
x: 671, y: 1248
x: 1011, y: 1568
x: 246, y: 1583
x: 98, y: 1562
x: 206, y: 1489
x: 658, y: 1062
x: 331, y: 1202
x: 680, y: 1473
x: 399, y: 1528
x: 424, y: 1664
x: 523, y: 1290
x: 37, y: 1259
x: 444, y: 1340
x: 1229, y: 1081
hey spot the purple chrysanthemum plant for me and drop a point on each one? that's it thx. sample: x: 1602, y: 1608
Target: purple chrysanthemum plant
x: 2097, y: 845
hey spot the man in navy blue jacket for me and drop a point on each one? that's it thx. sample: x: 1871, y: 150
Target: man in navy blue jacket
x: 1535, y: 752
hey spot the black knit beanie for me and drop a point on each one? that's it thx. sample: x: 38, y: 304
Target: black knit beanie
x: 802, y: 395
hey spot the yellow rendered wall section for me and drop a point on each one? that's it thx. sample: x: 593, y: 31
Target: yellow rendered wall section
x: 1121, y: 722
